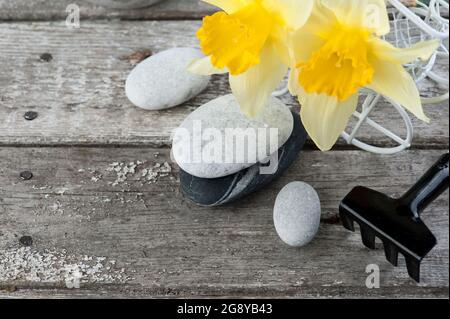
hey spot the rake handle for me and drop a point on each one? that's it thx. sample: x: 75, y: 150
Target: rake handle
x: 429, y: 187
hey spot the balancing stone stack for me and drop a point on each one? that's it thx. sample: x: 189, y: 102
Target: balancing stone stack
x: 209, y: 179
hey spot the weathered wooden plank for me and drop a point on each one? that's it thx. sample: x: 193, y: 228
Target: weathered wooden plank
x: 80, y: 97
x: 310, y: 293
x: 171, y: 247
x: 44, y: 10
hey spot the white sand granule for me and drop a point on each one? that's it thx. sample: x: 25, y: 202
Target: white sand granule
x: 26, y: 264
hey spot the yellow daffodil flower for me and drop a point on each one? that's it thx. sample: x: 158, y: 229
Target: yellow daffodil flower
x: 248, y: 40
x: 338, y: 52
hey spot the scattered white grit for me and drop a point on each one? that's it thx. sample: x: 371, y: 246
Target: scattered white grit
x: 123, y: 170
x: 40, y: 188
x: 57, y: 208
x: 62, y: 191
x: 150, y: 174
x: 96, y: 176
x: 159, y: 170
x: 25, y: 264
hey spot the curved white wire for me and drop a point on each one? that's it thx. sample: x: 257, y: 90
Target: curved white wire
x: 422, y: 16
x: 435, y: 10
x: 418, y: 21
x: 435, y: 99
x: 363, y: 117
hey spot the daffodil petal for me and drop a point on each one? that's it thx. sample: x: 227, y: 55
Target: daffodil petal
x: 253, y: 88
x: 371, y: 14
x: 303, y: 44
x: 229, y: 6
x: 377, y: 17
x: 203, y: 66
x: 392, y: 81
x: 293, y: 82
x: 422, y: 50
x: 325, y: 118
x: 311, y: 37
x: 321, y: 18
x: 294, y: 12
x: 283, y: 49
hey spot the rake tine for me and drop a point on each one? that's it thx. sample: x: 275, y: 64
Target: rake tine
x: 391, y: 253
x: 413, y: 266
x: 347, y: 222
x: 368, y: 237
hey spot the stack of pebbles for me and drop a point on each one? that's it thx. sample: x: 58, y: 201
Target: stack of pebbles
x: 224, y: 155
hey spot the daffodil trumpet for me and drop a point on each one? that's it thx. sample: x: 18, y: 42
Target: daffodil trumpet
x: 340, y: 51
x: 249, y: 40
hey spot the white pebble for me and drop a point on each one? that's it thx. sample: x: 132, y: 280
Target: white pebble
x: 221, y: 115
x: 297, y: 214
x: 162, y: 81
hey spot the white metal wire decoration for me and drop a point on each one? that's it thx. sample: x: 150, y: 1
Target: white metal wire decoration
x: 409, y: 25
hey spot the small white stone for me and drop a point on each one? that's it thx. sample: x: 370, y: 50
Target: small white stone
x: 218, y: 140
x: 162, y: 81
x: 297, y: 214
x: 124, y: 4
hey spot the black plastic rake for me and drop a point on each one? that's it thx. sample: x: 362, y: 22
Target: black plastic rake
x: 397, y: 221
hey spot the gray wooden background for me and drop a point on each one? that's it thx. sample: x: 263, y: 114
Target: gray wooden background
x: 140, y: 238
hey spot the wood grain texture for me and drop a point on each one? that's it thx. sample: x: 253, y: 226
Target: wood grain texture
x: 46, y: 10
x: 168, y: 246
x: 80, y: 96
x: 172, y: 247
